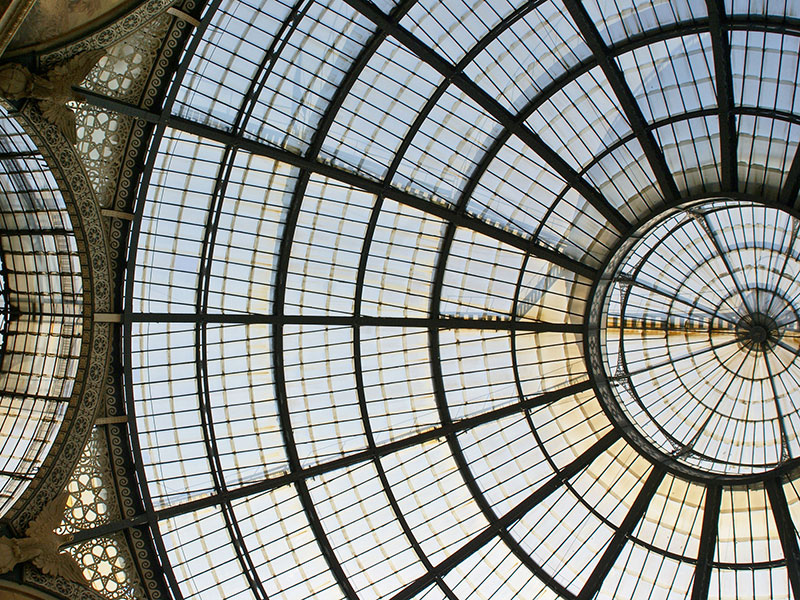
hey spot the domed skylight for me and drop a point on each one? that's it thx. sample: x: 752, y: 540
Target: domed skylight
x: 472, y: 300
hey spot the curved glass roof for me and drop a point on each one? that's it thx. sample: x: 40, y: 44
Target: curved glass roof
x: 701, y: 339
x: 41, y: 310
x: 373, y: 312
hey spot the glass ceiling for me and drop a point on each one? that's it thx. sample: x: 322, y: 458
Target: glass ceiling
x: 41, y: 310
x: 382, y: 276
x: 701, y: 338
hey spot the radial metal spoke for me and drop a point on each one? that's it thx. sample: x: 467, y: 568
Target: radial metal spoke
x: 717, y: 18
x: 790, y: 193
x: 786, y: 257
x: 622, y: 535
x: 494, y: 108
x: 787, y: 531
x: 689, y: 447
x: 309, y: 472
x: 682, y: 448
x: 14, y: 475
x: 630, y: 107
x: 366, y: 184
x: 672, y: 360
x: 505, y: 521
x: 786, y: 450
x: 708, y: 542
x: 481, y: 323
x: 702, y: 221
x: 674, y: 297
x: 788, y: 348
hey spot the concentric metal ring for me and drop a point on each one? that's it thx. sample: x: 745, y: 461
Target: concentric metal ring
x: 698, y: 339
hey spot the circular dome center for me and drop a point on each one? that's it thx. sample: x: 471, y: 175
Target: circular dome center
x: 696, y: 338
x: 758, y: 332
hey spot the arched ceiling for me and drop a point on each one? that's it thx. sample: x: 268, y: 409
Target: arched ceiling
x: 471, y: 300
x: 41, y: 310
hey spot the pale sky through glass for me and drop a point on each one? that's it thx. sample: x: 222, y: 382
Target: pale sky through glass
x: 359, y: 295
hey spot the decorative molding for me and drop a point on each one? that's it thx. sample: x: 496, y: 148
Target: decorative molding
x: 123, y: 73
x: 102, y: 156
x: 107, y: 561
x: 58, y: 585
x: 110, y: 562
x: 112, y: 34
x: 99, y: 182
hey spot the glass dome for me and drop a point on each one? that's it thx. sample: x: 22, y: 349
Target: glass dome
x: 472, y: 299
x: 698, y: 324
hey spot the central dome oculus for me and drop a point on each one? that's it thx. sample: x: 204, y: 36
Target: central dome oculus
x: 697, y: 338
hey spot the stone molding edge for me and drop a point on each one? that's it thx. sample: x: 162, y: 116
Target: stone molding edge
x: 12, y: 19
x: 116, y: 31
x: 125, y: 490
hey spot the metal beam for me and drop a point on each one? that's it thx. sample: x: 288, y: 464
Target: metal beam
x: 623, y: 534
x: 512, y: 516
x: 494, y: 108
x: 119, y: 106
x: 787, y: 532
x: 717, y: 26
x: 703, y: 223
x: 790, y: 194
x: 408, y: 139
x: 708, y: 542
x: 375, y: 187
x: 14, y: 475
x: 34, y: 397
x: 786, y: 449
x: 289, y: 478
x: 311, y: 155
x: 21, y: 154
x: 32, y: 232
x: 482, y: 324
x: 630, y: 108
x: 280, y: 39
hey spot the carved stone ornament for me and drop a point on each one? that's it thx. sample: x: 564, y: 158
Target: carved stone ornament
x: 41, y: 545
x: 52, y: 90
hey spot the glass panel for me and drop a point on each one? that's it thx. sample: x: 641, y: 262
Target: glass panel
x: 624, y: 19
